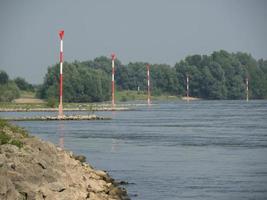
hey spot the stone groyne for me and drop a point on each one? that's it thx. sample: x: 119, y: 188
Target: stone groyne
x: 34, y: 169
x: 65, y: 109
x: 57, y: 118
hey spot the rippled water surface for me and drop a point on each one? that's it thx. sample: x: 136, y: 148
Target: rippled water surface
x: 196, y: 150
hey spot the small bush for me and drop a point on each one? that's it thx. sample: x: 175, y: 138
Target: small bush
x: 17, y: 143
x: 51, y: 102
x: 13, y: 128
x: 3, y: 123
x: 16, y: 129
x: 7, y: 139
x: 124, y: 98
x: 132, y: 97
x: 4, y: 138
x: 9, y: 92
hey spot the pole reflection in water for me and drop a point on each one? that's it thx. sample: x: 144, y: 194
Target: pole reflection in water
x: 114, y: 141
x: 61, y: 130
x: 114, y: 113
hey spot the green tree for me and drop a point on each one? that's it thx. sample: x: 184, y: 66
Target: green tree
x: 3, y: 77
x: 23, y: 84
x: 220, y: 75
x: 8, y: 92
x: 81, y: 83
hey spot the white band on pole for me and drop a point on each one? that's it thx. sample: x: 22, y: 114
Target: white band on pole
x: 61, y: 67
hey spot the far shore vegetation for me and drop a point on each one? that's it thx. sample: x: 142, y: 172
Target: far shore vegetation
x: 221, y: 75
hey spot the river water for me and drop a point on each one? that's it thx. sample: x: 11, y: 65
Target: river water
x: 176, y: 150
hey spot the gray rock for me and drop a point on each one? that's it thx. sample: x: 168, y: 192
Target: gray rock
x: 81, y: 158
x: 40, y: 171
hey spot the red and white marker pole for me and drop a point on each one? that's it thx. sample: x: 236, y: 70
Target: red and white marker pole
x: 148, y: 85
x: 113, y: 57
x: 247, y: 87
x: 60, y: 107
x: 187, y: 87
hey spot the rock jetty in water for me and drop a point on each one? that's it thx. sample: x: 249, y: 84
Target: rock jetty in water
x: 34, y: 169
x: 56, y: 118
x: 65, y: 109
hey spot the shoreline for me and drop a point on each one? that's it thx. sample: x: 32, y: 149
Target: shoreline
x: 185, y: 98
x: 31, y: 168
x: 65, y: 109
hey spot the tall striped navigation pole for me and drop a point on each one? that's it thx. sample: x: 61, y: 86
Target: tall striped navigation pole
x: 187, y: 87
x: 113, y: 57
x: 60, y: 107
x: 247, y: 87
x: 148, y: 85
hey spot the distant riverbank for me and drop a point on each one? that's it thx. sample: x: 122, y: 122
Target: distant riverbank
x: 22, y: 109
x: 33, y: 169
x: 42, y: 107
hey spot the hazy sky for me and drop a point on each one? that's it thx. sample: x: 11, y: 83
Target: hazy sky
x: 157, y: 31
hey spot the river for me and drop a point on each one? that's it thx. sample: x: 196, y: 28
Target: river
x: 174, y: 150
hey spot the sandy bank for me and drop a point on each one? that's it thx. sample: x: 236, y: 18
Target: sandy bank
x: 190, y: 98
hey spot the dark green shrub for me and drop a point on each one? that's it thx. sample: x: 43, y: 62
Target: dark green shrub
x: 4, y: 138
x: 3, y: 123
x: 17, y: 143
x: 51, y: 102
x: 16, y: 129
x: 124, y: 98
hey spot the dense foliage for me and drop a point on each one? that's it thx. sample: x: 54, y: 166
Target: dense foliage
x: 3, y: 77
x: 220, y: 75
x: 23, y: 84
x: 81, y: 84
x: 9, y: 92
x: 8, y: 88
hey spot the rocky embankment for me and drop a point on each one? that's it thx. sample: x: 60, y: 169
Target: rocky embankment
x: 38, y: 170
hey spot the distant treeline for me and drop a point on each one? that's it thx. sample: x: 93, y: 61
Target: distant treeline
x: 220, y: 75
x: 10, y: 89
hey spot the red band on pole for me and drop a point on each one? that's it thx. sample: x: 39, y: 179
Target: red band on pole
x: 61, y: 85
x: 113, y: 56
x: 61, y: 56
x: 113, y: 91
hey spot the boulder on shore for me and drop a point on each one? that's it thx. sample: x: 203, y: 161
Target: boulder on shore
x: 38, y: 170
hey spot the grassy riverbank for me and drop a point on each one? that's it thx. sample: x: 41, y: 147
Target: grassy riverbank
x: 28, y: 102
x: 130, y: 95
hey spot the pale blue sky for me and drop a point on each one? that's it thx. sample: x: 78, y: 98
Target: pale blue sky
x: 156, y: 31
